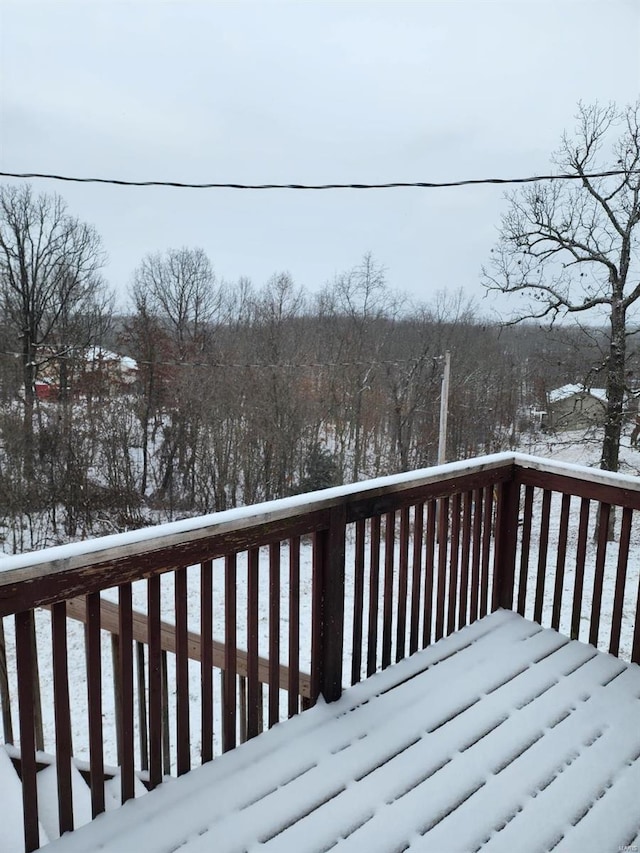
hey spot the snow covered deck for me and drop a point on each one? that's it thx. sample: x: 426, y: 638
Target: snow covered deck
x: 503, y: 736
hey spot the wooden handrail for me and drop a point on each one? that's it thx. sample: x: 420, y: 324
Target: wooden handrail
x: 109, y: 621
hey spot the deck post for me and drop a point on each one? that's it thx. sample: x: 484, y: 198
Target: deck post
x: 331, y: 600
x: 506, y: 538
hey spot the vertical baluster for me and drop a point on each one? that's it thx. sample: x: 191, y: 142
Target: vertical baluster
x: 430, y: 541
x: 524, y: 550
x: 229, y: 699
x: 416, y: 577
x: 62, y: 714
x: 475, y: 555
x: 293, y: 686
x: 581, y: 554
x: 94, y: 702
x: 142, y: 706
x: 358, y: 603
x: 403, y: 584
x: 453, y: 562
x: 464, y: 563
x: 561, y: 561
x: 206, y: 658
x: 621, y: 576
x: 155, y: 681
x: 598, y: 578
x: 542, y: 555
x: 127, y: 776
x: 25, y: 669
x: 443, y: 541
x: 389, y: 544
x: 183, y: 737
x: 374, y: 591
x: 274, y: 633
x: 254, y: 688
x: 486, y: 547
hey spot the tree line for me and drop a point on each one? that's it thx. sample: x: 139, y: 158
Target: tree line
x: 247, y: 392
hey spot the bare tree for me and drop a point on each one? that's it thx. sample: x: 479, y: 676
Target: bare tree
x: 180, y: 289
x: 572, y: 246
x: 49, y: 263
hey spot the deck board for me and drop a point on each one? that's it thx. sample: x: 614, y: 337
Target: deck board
x: 503, y: 736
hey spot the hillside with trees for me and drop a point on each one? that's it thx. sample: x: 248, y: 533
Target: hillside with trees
x: 206, y: 394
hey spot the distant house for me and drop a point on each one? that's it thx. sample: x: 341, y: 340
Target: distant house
x: 576, y: 407
x: 95, y: 371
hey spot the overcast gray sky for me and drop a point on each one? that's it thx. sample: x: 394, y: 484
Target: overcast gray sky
x: 304, y: 92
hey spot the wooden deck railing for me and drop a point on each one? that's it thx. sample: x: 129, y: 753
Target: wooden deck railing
x: 342, y: 582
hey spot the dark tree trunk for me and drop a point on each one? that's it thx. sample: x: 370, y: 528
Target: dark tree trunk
x: 615, y: 388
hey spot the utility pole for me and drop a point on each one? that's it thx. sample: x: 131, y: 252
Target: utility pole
x: 444, y: 410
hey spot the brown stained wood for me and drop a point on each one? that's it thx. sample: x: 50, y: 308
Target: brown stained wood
x: 581, y: 554
x: 94, y: 701
x: 524, y: 550
x: 374, y: 592
x: 621, y: 577
x: 274, y: 633
x: 394, y: 499
x: 143, y: 731
x: 475, y: 554
x: 486, y: 550
x: 127, y: 770
x: 109, y: 613
x: 403, y: 585
x: 430, y: 542
x: 598, y: 578
x: 358, y: 603
x: 5, y: 696
x: 561, y: 561
x: 464, y: 561
x: 62, y: 580
x: 25, y: 668
x: 506, y: 541
x: 229, y: 675
x: 254, y: 688
x: 443, y: 541
x: 387, y: 604
x: 333, y: 607
x: 293, y: 686
x: 183, y: 737
x: 416, y: 576
x: 155, y: 681
x: 62, y: 713
x: 601, y: 492
x: 543, y: 547
x: 453, y: 562
x: 206, y: 659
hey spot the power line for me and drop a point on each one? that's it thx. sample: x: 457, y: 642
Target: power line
x: 386, y: 186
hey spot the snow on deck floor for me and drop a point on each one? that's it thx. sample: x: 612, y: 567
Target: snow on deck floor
x: 502, y: 737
